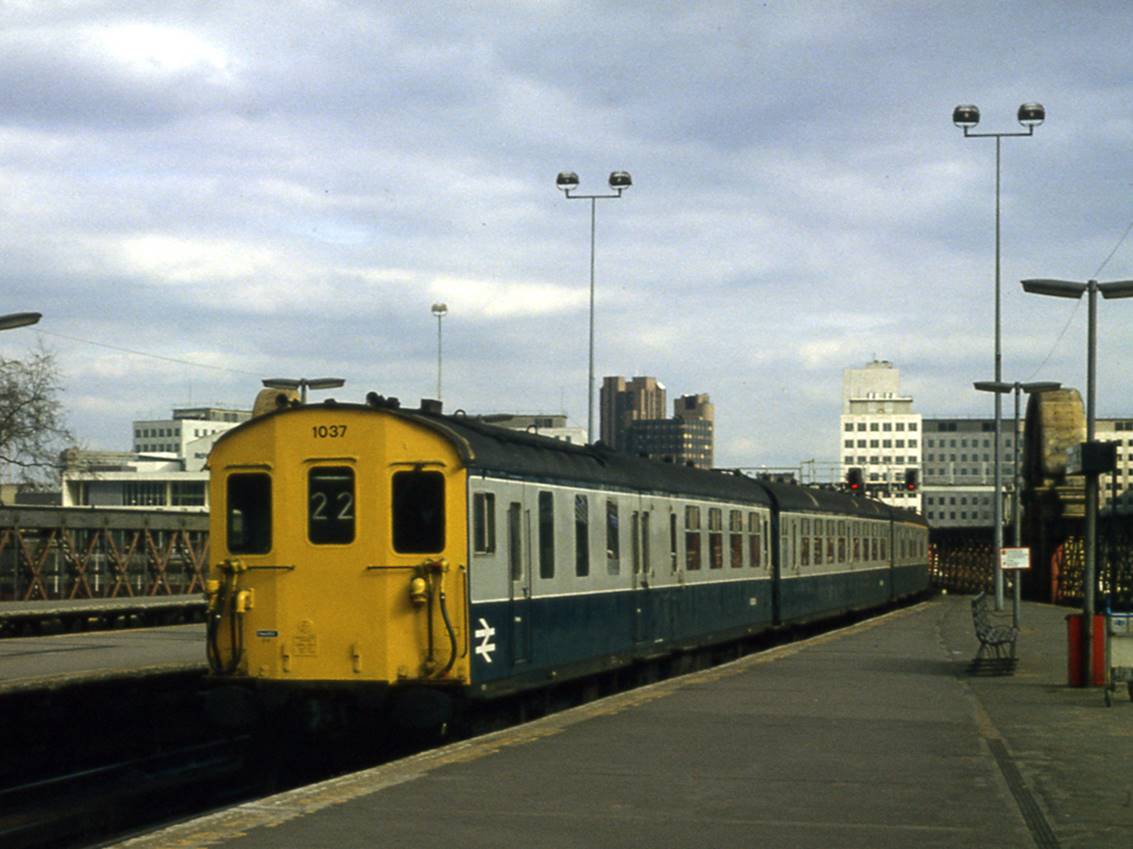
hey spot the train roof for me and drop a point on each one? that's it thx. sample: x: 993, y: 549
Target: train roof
x: 493, y: 449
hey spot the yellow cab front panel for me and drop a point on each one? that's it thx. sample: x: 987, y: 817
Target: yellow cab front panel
x: 339, y: 549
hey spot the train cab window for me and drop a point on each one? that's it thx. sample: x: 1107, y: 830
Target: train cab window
x: 715, y: 538
x: 249, y: 514
x: 581, y: 536
x: 613, y: 546
x: 418, y: 512
x: 692, y: 538
x: 546, y: 535
x: 736, y: 538
x: 484, y: 522
x: 330, y: 505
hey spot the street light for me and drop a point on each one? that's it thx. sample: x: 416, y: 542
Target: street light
x: 567, y: 181
x: 1030, y: 115
x: 440, y: 311
x: 303, y: 383
x: 1000, y: 387
x: 19, y: 319
x: 1074, y: 289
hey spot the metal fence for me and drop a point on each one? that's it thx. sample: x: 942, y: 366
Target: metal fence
x: 68, y: 553
x: 965, y: 562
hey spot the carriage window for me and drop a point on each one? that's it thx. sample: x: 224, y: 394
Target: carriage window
x: 736, y: 538
x: 249, y: 514
x: 581, y: 536
x: 613, y: 548
x: 515, y: 540
x: 755, y: 544
x: 715, y: 538
x: 418, y: 512
x: 635, y: 542
x: 330, y: 505
x: 692, y: 538
x: 484, y: 522
x: 546, y: 535
x: 673, y: 555
x: 646, y: 568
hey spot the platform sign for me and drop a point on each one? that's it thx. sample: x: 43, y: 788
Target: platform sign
x: 1017, y: 559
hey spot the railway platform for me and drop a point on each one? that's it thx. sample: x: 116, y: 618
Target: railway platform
x: 873, y: 736
x: 20, y: 618
x: 52, y: 663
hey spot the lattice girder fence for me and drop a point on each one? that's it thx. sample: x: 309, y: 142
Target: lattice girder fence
x: 65, y: 553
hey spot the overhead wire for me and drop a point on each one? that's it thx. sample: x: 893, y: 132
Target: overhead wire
x: 1078, y: 303
x: 152, y: 356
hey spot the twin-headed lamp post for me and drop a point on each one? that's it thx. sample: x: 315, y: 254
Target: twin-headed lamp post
x: 303, y: 384
x: 567, y: 181
x: 1074, y: 289
x: 1030, y: 115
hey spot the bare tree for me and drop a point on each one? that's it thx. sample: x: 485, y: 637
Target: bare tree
x: 32, y: 426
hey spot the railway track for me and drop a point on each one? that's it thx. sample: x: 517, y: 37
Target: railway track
x: 85, y: 806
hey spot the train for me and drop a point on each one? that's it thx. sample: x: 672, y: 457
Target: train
x: 403, y: 560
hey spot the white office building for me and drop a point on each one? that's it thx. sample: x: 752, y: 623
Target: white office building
x: 166, y: 469
x: 880, y: 433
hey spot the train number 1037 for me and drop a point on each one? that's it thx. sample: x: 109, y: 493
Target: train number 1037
x: 334, y: 431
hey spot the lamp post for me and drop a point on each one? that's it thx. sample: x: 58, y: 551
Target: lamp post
x: 1074, y: 289
x: 1030, y: 115
x: 567, y: 181
x: 303, y: 383
x: 440, y: 311
x: 1018, y: 388
x: 19, y: 319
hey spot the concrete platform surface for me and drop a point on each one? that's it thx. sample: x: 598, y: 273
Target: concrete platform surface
x: 39, y: 663
x: 871, y: 736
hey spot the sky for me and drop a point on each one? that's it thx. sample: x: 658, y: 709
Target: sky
x: 200, y: 195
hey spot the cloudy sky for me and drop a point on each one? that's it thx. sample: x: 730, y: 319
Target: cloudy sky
x: 238, y: 190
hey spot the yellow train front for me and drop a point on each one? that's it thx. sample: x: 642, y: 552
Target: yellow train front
x: 338, y: 563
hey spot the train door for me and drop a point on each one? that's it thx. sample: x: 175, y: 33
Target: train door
x: 519, y: 566
x: 642, y: 576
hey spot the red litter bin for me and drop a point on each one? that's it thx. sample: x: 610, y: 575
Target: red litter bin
x: 1074, y: 651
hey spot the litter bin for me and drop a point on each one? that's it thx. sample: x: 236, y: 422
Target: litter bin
x: 1074, y: 651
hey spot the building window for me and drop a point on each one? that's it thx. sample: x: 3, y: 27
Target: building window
x: 188, y: 494
x: 147, y: 494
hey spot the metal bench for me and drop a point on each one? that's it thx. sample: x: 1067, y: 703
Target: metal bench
x: 997, y: 641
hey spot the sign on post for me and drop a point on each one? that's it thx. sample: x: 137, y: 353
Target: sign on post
x: 1017, y: 559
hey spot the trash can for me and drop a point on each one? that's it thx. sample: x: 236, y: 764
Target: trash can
x: 1074, y: 650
